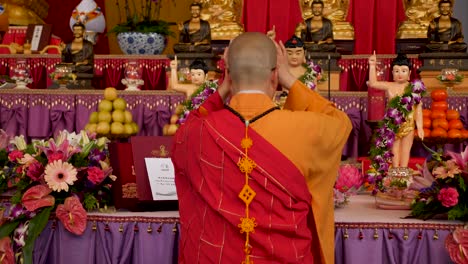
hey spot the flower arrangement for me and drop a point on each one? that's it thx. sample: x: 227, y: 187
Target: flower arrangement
x: 456, y: 244
x: 62, y: 77
x: 442, y: 187
x: 450, y: 75
x: 69, y: 175
x: 145, y: 21
x: 5, y: 81
x: 197, y: 99
x: 312, y: 75
x: 348, y: 182
x: 397, y: 111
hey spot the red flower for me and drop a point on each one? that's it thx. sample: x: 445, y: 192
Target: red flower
x: 6, y: 252
x: 448, y: 197
x: 35, y: 170
x: 55, y: 156
x: 72, y: 215
x: 95, y: 175
x: 457, y: 246
x: 36, y: 197
x: 15, y: 155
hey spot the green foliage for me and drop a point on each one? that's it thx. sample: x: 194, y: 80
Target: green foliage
x: 90, y: 202
x: 153, y: 26
x: 36, y: 225
x: 7, y: 228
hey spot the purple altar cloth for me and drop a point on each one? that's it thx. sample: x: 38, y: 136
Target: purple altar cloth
x: 41, y: 113
x: 111, y: 239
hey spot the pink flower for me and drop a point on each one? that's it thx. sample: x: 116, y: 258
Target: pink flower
x: 457, y: 246
x: 35, y: 170
x: 95, y: 175
x: 15, y: 155
x: 348, y: 177
x: 448, y: 197
x: 72, y: 215
x: 55, y: 156
x: 6, y: 252
x: 36, y: 197
x: 59, y: 175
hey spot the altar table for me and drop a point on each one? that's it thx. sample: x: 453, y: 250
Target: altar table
x: 40, y: 113
x: 363, y: 234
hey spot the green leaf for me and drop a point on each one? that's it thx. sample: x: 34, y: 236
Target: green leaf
x: 90, y: 202
x: 7, y: 228
x: 36, y: 225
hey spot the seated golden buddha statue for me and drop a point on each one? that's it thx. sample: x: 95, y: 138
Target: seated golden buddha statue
x: 418, y: 15
x: 195, y: 33
x: 223, y: 16
x: 25, y: 12
x: 335, y: 11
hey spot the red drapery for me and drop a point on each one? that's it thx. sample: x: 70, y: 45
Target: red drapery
x: 261, y: 15
x: 377, y: 31
x: 59, y: 16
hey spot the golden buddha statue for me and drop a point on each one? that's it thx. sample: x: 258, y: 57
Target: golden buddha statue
x: 25, y: 12
x: 419, y: 13
x: 223, y: 16
x: 336, y: 11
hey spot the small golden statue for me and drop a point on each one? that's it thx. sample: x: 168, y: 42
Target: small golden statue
x: 334, y: 10
x: 419, y: 13
x: 223, y: 16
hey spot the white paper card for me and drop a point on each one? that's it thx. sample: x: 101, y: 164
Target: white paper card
x: 161, y: 177
x: 36, y: 37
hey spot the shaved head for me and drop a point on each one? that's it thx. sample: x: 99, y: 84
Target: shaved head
x: 251, y: 59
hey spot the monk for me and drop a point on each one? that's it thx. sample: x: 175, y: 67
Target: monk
x: 401, y: 71
x: 255, y: 183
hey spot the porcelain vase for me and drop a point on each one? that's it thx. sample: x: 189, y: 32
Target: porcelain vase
x: 137, y: 43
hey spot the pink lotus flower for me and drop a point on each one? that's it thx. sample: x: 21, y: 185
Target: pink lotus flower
x: 448, y: 196
x: 457, y: 246
x: 36, y: 197
x: 96, y: 175
x: 72, y: 215
x: 348, y: 177
x: 15, y: 155
x: 6, y: 252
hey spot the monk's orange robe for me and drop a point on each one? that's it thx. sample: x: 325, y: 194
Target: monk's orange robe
x: 310, y: 133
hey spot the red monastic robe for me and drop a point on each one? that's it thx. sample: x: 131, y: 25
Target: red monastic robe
x: 297, y: 155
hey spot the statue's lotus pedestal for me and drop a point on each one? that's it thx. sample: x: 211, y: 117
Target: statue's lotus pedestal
x: 329, y: 63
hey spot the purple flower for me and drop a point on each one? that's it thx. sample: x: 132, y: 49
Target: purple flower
x: 416, y: 98
x: 398, y: 120
x: 383, y: 166
x: 316, y: 68
x: 418, y: 86
x: 393, y: 113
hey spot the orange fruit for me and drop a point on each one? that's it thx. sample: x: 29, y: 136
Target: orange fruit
x: 438, y: 114
x: 440, y: 122
x: 426, y: 113
x: 452, y: 114
x: 439, y: 105
x: 454, y: 133
x: 455, y: 124
x: 427, y: 122
x: 439, y: 132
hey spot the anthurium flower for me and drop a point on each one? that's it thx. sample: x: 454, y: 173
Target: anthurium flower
x: 59, y: 175
x: 6, y: 252
x: 457, y: 245
x: 72, y: 215
x: 36, y: 197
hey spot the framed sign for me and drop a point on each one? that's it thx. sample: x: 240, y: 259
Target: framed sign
x: 38, y: 35
x: 153, y: 153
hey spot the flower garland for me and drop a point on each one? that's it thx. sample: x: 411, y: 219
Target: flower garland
x: 398, y: 109
x: 312, y: 75
x: 196, y: 99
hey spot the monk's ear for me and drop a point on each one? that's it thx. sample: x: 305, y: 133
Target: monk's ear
x: 274, y: 80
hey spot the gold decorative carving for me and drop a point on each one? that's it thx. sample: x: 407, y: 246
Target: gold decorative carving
x: 25, y: 12
x: 162, y: 152
x: 223, y: 16
x: 336, y: 11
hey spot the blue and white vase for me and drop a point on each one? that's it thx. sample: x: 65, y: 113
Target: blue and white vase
x: 137, y: 43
